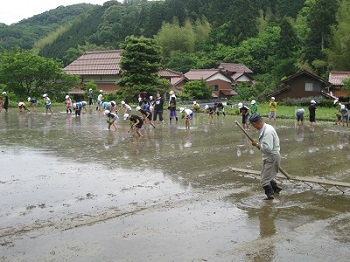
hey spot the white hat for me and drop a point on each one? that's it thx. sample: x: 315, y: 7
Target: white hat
x: 335, y: 101
x: 29, y: 99
x: 123, y: 102
x: 182, y: 109
x: 20, y: 103
x: 253, y: 102
x: 206, y: 107
x: 138, y: 108
x: 342, y: 107
x: 101, y: 91
x: 150, y: 97
x: 106, y: 112
x: 240, y: 105
x: 194, y: 102
x: 113, y: 103
x: 313, y: 102
x: 44, y: 95
x: 272, y: 98
x: 67, y: 96
x: 125, y: 116
x: 4, y: 93
x: 171, y: 92
x: 90, y: 89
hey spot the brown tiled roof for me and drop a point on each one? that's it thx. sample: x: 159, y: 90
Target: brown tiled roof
x: 235, y: 68
x: 306, y: 72
x: 199, y: 74
x: 337, y: 77
x: 96, y: 63
x: 168, y: 73
x: 228, y: 92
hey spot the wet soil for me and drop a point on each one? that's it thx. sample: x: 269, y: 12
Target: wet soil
x: 72, y: 190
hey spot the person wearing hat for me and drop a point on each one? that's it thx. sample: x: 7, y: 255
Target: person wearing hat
x: 269, y: 145
x: 188, y: 115
x: 34, y: 102
x: 100, y: 101
x: 48, y: 104
x: 244, y: 111
x: 253, y: 107
x: 312, y: 114
x: 219, y: 107
x: 69, y: 104
x: 337, y: 105
x: 299, y: 114
x: 344, y: 115
x: 22, y: 105
x: 112, y: 119
x: 172, y: 107
x: 147, y: 115
x: 6, y: 101
x: 272, y: 109
x: 196, y: 107
x: 91, y: 97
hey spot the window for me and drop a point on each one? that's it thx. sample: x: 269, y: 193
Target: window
x: 313, y: 87
x: 215, y: 88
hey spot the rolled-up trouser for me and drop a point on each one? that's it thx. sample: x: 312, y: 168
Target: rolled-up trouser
x: 270, y: 169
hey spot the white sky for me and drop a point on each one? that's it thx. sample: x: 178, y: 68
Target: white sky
x: 13, y: 11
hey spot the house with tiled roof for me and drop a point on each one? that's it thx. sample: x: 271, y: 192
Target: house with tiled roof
x: 336, y: 79
x: 219, y: 83
x: 302, y: 84
x: 238, y: 72
x: 102, y: 67
x: 176, y: 79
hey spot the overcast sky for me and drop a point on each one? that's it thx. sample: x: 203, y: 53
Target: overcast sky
x: 12, y: 11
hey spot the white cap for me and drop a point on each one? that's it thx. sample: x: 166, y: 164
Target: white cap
x: 74, y: 105
x: 171, y: 92
x: 44, y: 95
x: 106, y: 112
x: 4, y: 93
x: 194, y: 102
x: 138, y: 108
x: 29, y: 99
x: 90, y: 89
x: 272, y: 98
x: 182, y: 109
x: 101, y: 91
x: 313, y: 102
x: 342, y: 106
x: 67, y: 96
x: 150, y: 97
x: 240, y: 105
x: 335, y: 101
x: 20, y: 103
x: 125, y: 116
x: 253, y: 102
x: 206, y: 107
x: 113, y: 103
x: 123, y: 102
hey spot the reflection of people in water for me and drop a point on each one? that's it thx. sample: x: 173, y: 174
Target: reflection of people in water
x: 266, y: 215
x: 299, y: 133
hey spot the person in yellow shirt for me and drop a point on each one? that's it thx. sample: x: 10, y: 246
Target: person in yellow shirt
x: 273, y: 109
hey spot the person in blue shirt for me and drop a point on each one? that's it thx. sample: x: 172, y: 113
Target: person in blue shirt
x: 34, y: 102
x: 77, y: 108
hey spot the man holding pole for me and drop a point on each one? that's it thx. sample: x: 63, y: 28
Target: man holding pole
x: 269, y: 145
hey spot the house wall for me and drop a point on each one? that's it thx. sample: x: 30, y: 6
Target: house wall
x: 297, y: 88
x: 222, y: 85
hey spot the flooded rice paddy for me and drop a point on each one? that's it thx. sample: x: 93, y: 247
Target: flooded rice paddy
x: 72, y: 190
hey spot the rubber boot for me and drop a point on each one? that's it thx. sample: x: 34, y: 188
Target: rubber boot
x: 274, y: 186
x: 224, y: 113
x: 177, y: 119
x: 269, y: 192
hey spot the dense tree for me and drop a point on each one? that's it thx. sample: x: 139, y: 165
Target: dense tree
x: 140, y: 61
x: 26, y: 74
x: 339, y: 52
x: 197, y: 90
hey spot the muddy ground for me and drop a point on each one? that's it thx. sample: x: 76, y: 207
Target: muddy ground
x: 72, y: 190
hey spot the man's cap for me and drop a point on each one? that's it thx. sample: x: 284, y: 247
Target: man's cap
x: 254, y: 117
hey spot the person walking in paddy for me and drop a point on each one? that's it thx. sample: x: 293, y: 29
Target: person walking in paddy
x: 269, y: 145
x: 272, y: 109
x: 244, y: 111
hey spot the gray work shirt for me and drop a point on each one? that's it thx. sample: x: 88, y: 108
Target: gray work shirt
x: 269, y: 141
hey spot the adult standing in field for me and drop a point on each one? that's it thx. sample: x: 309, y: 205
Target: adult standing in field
x: 172, y: 106
x: 158, y: 107
x: 269, y: 145
x: 6, y: 101
x: 272, y: 109
x: 312, y: 114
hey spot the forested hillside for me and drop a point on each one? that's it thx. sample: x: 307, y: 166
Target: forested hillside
x: 274, y: 38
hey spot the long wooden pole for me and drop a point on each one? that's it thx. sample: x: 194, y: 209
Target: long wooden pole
x: 251, y: 139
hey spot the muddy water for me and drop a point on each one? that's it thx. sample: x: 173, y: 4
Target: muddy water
x: 72, y: 190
